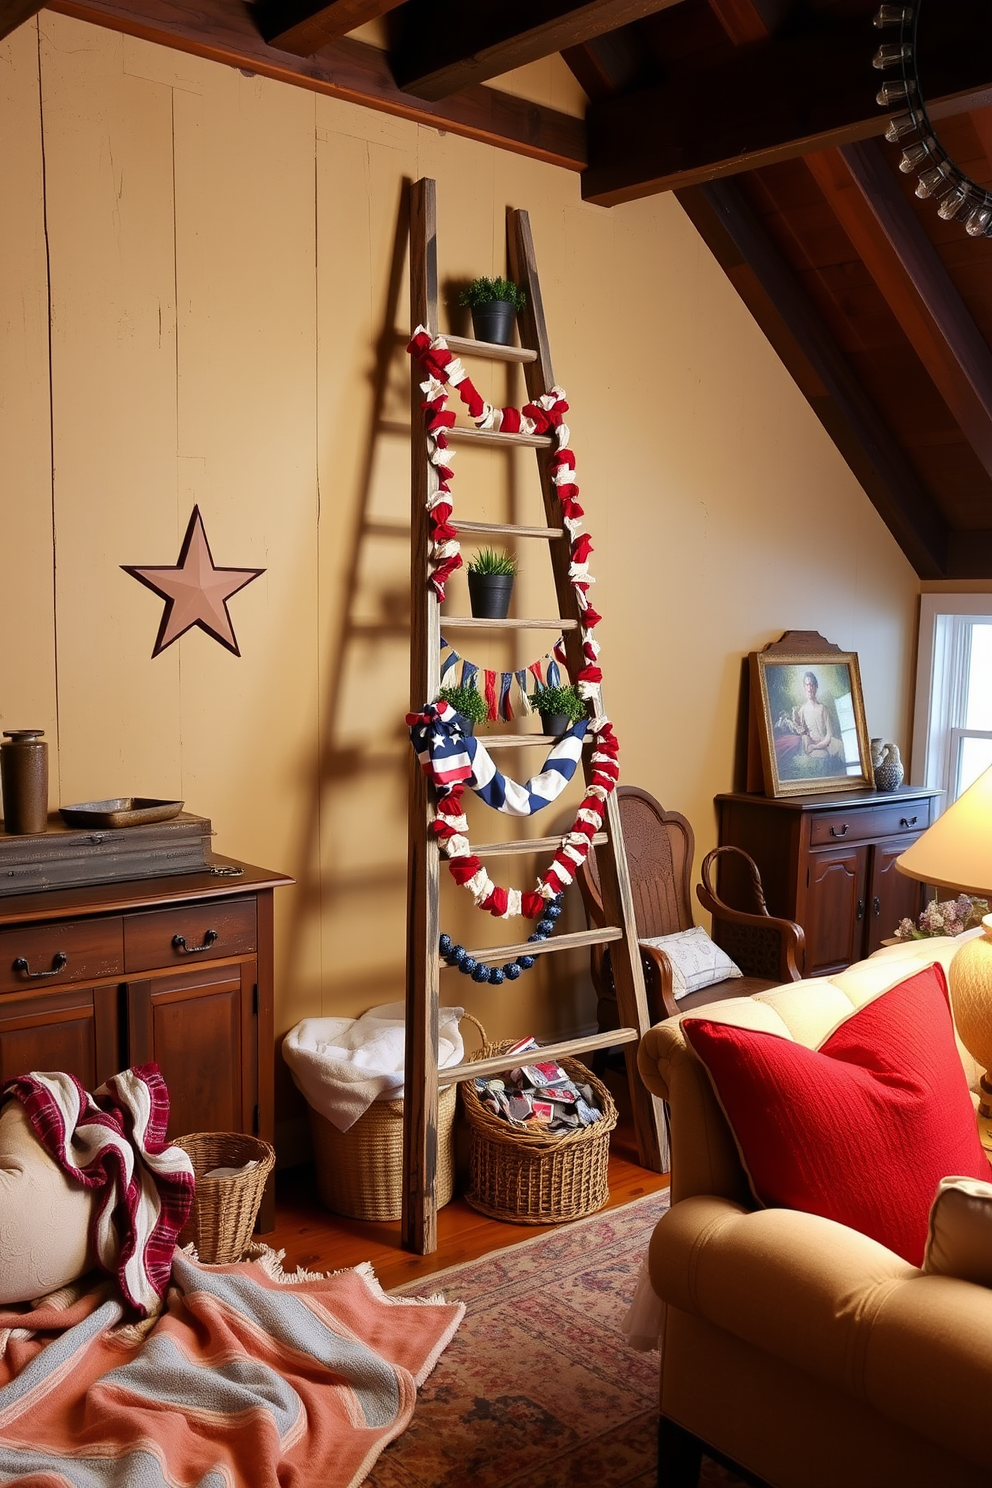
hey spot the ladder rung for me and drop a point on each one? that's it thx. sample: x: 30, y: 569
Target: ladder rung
x: 471, y: 622
x: 492, y: 436
x: 468, y: 346
x: 517, y: 741
x: 497, y: 1063
x: 525, y: 845
x: 507, y: 529
x: 575, y: 940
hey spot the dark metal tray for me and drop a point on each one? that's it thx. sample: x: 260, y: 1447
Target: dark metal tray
x: 122, y: 811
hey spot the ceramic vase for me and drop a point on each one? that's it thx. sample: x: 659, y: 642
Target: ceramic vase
x: 886, y: 763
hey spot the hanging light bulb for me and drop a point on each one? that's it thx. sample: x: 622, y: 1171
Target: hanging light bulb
x: 898, y: 91
x: 893, y: 15
x: 980, y: 220
x: 956, y: 203
x: 900, y: 125
x: 891, y: 54
x: 915, y: 155
x: 936, y: 182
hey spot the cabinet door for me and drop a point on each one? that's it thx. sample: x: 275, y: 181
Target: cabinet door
x: 72, y: 1029
x: 199, y: 1028
x: 835, y: 908
x: 892, y: 896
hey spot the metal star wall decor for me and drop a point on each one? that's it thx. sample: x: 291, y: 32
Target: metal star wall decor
x: 195, y: 590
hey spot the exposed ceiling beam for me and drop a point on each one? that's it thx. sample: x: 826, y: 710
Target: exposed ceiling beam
x: 443, y: 46
x: 223, y: 30
x: 604, y: 64
x: 768, y: 287
x: 304, y: 26
x: 772, y: 101
x: 14, y: 13
x: 749, y: 20
x: 865, y: 196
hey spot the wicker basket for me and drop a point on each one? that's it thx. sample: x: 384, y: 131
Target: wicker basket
x: 535, y: 1176
x: 360, y: 1171
x: 224, y: 1209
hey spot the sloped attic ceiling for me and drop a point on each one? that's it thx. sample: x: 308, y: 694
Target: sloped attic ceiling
x: 761, y: 116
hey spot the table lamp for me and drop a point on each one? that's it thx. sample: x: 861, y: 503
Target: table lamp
x: 956, y: 853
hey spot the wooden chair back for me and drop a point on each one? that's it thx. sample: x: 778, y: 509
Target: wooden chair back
x: 659, y: 847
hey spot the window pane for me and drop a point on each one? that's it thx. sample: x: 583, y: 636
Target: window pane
x: 979, y: 708
x: 975, y: 756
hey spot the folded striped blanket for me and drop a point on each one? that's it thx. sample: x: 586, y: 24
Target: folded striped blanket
x: 113, y: 1141
x: 243, y: 1381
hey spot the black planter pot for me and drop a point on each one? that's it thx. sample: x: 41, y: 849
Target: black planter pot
x: 555, y: 723
x: 490, y: 595
x: 494, y: 322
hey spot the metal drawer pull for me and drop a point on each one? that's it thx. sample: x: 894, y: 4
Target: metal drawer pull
x: 179, y: 943
x: 861, y: 909
x: 876, y: 906
x: 908, y: 821
x: 59, y: 963
x: 842, y: 832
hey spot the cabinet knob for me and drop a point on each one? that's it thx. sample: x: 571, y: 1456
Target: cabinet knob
x: 59, y: 963
x: 839, y: 831
x: 179, y: 943
x: 908, y: 821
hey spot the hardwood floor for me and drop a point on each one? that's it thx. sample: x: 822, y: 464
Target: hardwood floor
x: 320, y: 1241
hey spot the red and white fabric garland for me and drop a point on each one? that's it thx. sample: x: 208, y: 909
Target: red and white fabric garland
x: 114, y: 1141
x: 442, y: 370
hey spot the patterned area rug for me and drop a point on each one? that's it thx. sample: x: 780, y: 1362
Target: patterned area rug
x: 539, y: 1388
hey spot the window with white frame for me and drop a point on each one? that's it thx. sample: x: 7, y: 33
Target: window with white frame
x: 952, y: 734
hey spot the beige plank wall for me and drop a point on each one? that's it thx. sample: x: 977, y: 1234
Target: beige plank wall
x: 229, y: 304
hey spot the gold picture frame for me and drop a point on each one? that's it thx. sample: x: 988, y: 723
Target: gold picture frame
x: 810, y: 718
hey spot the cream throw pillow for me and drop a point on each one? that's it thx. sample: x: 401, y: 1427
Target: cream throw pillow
x: 44, y: 1215
x: 696, y: 961
x: 959, y: 1241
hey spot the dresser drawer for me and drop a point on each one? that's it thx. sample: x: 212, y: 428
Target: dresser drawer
x: 841, y: 826
x: 52, y: 955
x: 867, y: 824
x: 189, y: 933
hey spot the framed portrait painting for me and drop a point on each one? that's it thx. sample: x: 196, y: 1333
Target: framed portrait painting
x: 811, y: 722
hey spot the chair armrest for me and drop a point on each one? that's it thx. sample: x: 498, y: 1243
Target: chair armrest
x: 838, y: 1307
x: 788, y: 937
x: 658, y: 967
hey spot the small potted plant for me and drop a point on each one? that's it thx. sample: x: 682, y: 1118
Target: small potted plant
x: 490, y: 583
x: 494, y: 304
x: 559, y: 707
x: 469, y: 702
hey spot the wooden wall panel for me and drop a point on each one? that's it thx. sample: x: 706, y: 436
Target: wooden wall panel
x: 27, y: 588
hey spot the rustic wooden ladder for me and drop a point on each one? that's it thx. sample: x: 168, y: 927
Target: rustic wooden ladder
x: 424, y: 966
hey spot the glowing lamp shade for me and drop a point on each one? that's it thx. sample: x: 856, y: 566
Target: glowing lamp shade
x: 956, y: 853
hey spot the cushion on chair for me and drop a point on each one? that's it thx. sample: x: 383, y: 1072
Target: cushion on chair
x: 959, y: 1238
x: 860, y: 1130
x: 696, y: 961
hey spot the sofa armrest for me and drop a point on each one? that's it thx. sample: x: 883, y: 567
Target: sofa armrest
x: 835, y: 1304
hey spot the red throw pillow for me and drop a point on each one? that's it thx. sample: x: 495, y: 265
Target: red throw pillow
x: 862, y: 1129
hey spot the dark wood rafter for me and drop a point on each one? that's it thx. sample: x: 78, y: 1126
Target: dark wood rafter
x: 446, y: 45
x: 859, y: 186
x: 768, y: 287
x: 14, y: 13
x: 301, y: 27
x: 604, y: 64
x: 749, y: 20
x: 775, y: 100
x: 223, y: 30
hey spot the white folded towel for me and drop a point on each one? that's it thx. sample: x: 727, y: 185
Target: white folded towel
x: 342, y: 1065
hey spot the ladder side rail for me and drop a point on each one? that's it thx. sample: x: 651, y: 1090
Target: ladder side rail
x: 420, y: 1102
x: 648, y: 1112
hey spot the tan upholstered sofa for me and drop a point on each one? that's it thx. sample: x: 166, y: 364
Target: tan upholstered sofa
x: 802, y: 1350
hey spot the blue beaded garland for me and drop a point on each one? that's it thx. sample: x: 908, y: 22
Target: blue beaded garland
x: 456, y: 955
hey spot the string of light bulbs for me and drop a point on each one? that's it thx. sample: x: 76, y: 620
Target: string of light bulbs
x: 957, y: 196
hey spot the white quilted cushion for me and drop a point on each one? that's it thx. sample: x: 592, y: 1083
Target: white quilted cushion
x: 696, y: 961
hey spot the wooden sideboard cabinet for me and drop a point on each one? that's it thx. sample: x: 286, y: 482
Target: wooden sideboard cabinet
x: 828, y: 862
x: 177, y: 970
